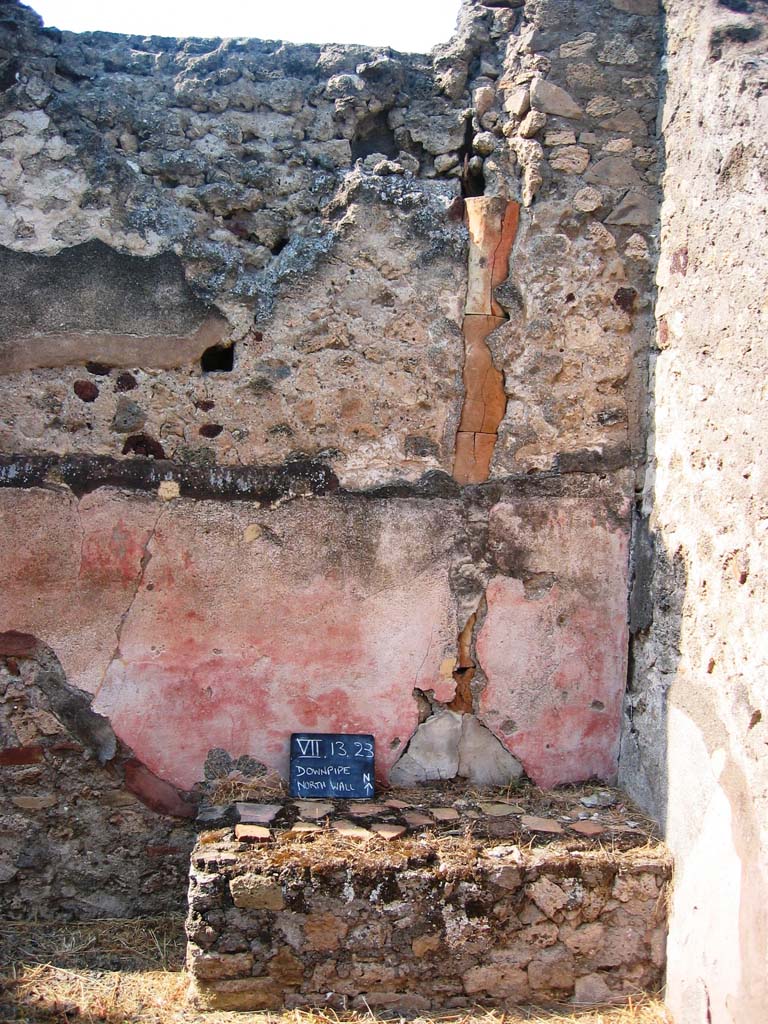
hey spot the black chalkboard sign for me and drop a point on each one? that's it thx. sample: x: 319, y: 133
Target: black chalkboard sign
x: 330, y: 764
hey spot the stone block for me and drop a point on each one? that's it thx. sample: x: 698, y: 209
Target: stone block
x: 216, y: 966
x: 237, y: 994
x: 636, y: 209
x: 552, y: 99
x: 285, y: 968
x: 613, y: 171
x: 423, y: 945
x: 256, y: 892
x: 499, y: 981
x: 592, y: 990
x: 324, y: 931
x: 553, y: 969
x: 569, y: 159
x: 518, y: 102
x: 548, y: 897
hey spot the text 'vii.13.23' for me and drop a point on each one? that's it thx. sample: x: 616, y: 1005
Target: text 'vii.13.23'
x: 331, y: 765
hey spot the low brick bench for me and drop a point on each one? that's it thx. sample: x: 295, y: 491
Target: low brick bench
x: 427, y: 921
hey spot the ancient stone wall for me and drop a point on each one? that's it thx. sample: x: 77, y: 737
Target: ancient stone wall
x: 428, y: 924
x: 695, y: 739
x: 322, y: 382
x: 87, y: 830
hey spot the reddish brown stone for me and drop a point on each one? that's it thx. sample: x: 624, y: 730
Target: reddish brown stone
x: 125, y: 382
x: 679, y: 262
x: 534, y: 824
x: 389, y: 832
x: 285, y: 968
x: 588, y: 828
x: 21, y: 755
x: 65, y: 746
x: 18, y: 645
x: 157, y: 794
x: 324, y: 931
x: 86, y: 390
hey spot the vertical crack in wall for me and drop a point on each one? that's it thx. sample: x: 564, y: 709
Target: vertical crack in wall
x: 492, y: 223
x: 464, y: 672
x: 146, y: 558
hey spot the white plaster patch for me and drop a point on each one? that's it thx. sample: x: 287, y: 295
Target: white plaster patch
x: 703, y: 964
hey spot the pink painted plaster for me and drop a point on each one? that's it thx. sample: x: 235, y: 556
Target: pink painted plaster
x: 196, y: 632
x: 554, y: 640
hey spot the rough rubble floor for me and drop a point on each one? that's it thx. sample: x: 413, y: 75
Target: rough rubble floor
x: 567, y: 818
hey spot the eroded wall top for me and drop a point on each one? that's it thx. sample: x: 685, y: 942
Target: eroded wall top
x: 285, y: 226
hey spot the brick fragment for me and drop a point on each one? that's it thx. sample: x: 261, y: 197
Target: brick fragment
x: 21, y: 755
x: 252, y: 833
x: 156, y: 793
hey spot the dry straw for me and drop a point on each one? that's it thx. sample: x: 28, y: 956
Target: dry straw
x: 131, y: 972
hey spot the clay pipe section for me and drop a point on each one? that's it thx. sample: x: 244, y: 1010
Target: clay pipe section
x: 492, y: 224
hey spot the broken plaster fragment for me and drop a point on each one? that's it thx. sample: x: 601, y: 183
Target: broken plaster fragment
x: 433, y: 752
x: 535, y: 824
x: 483, y: 759
x: 313, y: 809
x: 252, y: 833
x: 444, y: 813
x: 168, y: 490
x: 389, y: 831
x: 349, y: 830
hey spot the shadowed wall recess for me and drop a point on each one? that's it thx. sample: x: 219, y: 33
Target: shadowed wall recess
x: 492, y: 223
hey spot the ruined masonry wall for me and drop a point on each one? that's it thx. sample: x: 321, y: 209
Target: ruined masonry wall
x: 229, y: 166
x: 695, y: 739
x: 81, y: 833
x: 422, y: 928
x: 238, y: 386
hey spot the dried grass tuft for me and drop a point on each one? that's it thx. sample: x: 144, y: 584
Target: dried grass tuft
x: 236, y: 786
x: 131, y: 972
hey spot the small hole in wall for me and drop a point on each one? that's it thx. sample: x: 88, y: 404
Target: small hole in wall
x: 143, y: 445
x: 98, y: 369
x: 8, y: 74
x: 395, y: 743
x: 210, y: 430
x: 570, y: 297
x: 279, y: 245
x: 374, y: 136
x: 218, y: 359
x: 597, y: 705
x: 475, y: 908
